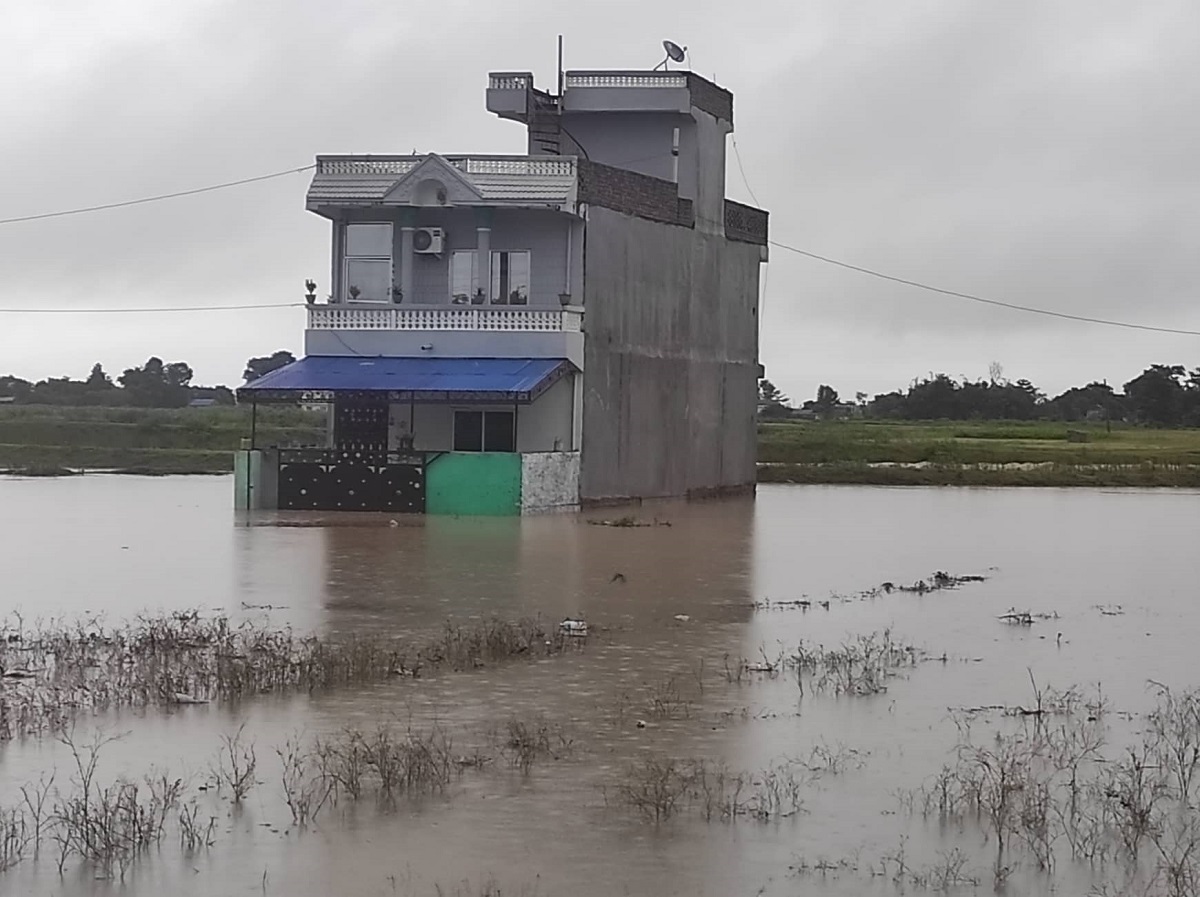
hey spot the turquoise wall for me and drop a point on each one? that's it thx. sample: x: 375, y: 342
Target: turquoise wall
x: 474, y: 483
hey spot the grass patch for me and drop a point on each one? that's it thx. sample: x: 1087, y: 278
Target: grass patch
x: 985, y: 442
x: 1140, y: 475
x: 144, y: 440
x: 19, y: 459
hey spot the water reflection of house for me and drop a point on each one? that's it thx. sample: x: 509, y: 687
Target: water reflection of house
x: 514, y: 333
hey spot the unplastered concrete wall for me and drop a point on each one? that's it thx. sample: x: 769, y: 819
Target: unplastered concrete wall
x: 671, y: 359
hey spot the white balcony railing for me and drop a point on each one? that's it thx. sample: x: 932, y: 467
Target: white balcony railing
x: 535, y: 166
x: 494, y: 320
x: 626, y: 79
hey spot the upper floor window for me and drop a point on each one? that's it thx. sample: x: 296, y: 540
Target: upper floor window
x: 510, y: 278
x: 368, y: 269
x: 464, y: 276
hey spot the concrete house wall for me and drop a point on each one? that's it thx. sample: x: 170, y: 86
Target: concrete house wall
x: 671, y: 358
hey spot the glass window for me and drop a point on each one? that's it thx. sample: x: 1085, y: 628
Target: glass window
x: 464, y: 277
x: 372, y: 278
x: 498, y: 432
x: 510, y: 278
x: 468, y: 431
x: 486, y: 431
x: 368, y: 270
x: 369, y: 239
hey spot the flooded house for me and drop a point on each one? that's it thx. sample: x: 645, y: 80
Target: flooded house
x: 509, y: 334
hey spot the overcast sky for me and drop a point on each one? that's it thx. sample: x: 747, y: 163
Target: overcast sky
x: 1034, y: 151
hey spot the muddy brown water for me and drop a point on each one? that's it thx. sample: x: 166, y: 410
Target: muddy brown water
x: 123, y: 545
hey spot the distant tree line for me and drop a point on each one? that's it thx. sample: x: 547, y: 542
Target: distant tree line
x: 155, y: 384
x: 1162, y: 395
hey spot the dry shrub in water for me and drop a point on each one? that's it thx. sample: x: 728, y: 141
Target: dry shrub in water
x: 658, y: 787
x: 194, y: 832
x: 236, y: 764
x: 109, y: 825
x: 305, y: 787
x: 1050, y: 789
x: 861, y: 666
x: 185, y: 657
x: 14, y: 838
x: 387, y: 761
x: 524, y: 742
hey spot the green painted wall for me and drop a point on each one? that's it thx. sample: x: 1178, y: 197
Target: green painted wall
x: 474, y: 483
x: 247, y: 480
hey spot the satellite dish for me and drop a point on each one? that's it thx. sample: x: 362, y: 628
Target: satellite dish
x: 675, y: 53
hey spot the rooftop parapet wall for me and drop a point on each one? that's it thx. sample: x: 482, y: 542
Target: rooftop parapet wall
x: 633, y: 194
x: 745, y: 224
x: 509, y: 93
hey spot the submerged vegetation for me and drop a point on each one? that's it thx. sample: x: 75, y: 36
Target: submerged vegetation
x: 51, y: 672
x: 1057, y: 782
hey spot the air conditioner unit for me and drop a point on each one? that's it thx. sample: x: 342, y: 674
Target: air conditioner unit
x: 428, y: 240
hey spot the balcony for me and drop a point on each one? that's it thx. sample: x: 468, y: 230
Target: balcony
x: 444, y: 318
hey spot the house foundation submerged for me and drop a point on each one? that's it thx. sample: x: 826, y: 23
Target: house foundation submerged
x: 518, y: 334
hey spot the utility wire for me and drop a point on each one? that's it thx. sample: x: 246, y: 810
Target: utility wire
x: 134, y: 311
x: 762, y: 301
x: 161, y: 196
x: 741, y: 168
x: 973, y: 298
x: 737, y: 154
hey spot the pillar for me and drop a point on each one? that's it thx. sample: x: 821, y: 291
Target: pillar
x: 406, y: 255
x: 483, y: 249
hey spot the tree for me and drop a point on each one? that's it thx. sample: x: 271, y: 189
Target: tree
x: 177, y: 373
x: 15, y: 387
x: 1156, y: 396
x: 155, y: 385
x: 258, y: 367
x: 770, y: 394
x: 97, y: 379
x: 827, y: 397
x: 1096, y: 400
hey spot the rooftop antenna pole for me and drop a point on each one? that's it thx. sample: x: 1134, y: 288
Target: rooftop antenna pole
x: 560, y: 68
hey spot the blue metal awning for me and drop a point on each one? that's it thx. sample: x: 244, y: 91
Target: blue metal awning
x: 320, y: 377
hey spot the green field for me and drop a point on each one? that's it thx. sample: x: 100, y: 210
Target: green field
x: 146, y: 440
x: 1016, y: 453
x: 47, y: 439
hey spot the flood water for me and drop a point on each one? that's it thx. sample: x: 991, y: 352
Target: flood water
x: 119, y: 546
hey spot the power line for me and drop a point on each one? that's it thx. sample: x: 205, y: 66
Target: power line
x: 134, y: 311
x: 973, y: 298
x: 737, y: 154
x: 159, y: 197
x: 741, y: 168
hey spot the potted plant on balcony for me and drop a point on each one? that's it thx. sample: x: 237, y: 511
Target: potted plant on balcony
x: 311, y: 296
x: 397, y: 295
x: 354, y: 292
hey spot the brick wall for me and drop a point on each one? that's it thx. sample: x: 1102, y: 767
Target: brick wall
x: 745, y: 224
x: 714, y: 100
x: 633, y: 194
